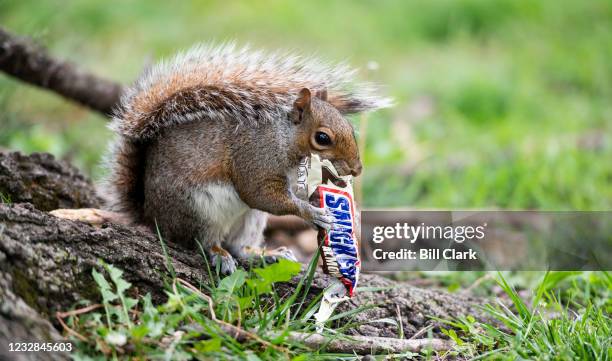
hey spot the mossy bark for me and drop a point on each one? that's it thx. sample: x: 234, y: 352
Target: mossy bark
x: 45, y: 182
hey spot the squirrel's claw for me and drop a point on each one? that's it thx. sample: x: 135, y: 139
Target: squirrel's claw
x: 278, y: 253
x: 227, y: 263
x: 323, y: 218
x: 251, y: 255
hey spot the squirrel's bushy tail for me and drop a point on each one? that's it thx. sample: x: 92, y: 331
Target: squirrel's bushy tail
x: 225, y: 81
x: 125, y: 184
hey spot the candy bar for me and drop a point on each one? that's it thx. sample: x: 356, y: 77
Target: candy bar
x: 324, y: 188
x: 319, y: 183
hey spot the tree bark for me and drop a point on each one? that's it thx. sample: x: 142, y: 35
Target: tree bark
x: 20, y: 323
x: 24, y: 60
x: 45, y: 182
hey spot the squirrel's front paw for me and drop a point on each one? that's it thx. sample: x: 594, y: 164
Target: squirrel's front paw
x: 322, y: 218
x: 227, y: 263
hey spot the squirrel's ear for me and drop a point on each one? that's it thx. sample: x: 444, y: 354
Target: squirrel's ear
x: 322, y: 94
x: 303, y: 100
x: 301, y: 104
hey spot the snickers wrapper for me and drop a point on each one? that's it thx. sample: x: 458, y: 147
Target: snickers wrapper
x: 320, y: 184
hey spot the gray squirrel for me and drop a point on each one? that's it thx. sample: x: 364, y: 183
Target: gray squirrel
x: 208, y: 143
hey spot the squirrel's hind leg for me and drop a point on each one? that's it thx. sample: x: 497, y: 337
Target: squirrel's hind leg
x: 245, y: 239
x: 246, y: 233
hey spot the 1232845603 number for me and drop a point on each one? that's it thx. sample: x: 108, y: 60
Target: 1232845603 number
x: 40, y: 346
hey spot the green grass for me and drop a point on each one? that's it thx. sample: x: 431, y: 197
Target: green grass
x: 198, y: 321
x: 560, y: 323
x: 499, y: 103
x: 194, y: 321
x: 564, y: 317
x: 5, y: 199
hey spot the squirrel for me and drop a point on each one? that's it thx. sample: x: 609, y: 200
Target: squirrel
x: 208, y: 143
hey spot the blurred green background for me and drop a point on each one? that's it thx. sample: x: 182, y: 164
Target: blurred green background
x: 499, y: 104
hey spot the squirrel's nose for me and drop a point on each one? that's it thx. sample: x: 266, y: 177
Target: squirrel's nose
x: 356, y: 170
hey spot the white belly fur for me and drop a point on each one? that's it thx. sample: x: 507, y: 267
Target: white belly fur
x: 220, y: 207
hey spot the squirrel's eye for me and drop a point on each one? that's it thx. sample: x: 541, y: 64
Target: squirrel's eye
x: 323, y: 139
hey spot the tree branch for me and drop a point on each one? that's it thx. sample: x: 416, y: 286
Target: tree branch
x: 26, y: 61
x: 360, y: 345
